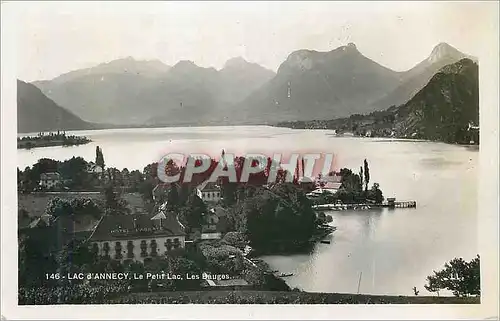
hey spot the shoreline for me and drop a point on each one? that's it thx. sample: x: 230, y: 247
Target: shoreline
x: 50, y: 139
x: 27, y: 145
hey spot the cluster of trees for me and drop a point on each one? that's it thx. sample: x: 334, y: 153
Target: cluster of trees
x: 76, y: 175
x: 462, y: 278
x: 354, y: 188
x: 50, y: 139
x: 222, y: 258
x: 78, y: 206
x: 278, y: 218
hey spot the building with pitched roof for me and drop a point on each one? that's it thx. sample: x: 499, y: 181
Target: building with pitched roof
x: 328, y: 187
x: 138, y: 237
x: 209, y: 192
x: 50, y: 180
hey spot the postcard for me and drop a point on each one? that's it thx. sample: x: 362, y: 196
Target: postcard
x: 296, y: 160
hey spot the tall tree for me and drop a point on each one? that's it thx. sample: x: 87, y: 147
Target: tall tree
x: 367, y: 175
x: 99, y: 158
x: 173, y: 195
x: 114, y: 205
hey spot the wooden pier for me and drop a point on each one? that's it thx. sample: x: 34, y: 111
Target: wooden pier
x: 404, y: 204
x: 390, y: 203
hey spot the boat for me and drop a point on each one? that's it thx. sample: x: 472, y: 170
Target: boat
x: 325, y: 242
x: 284, y: 275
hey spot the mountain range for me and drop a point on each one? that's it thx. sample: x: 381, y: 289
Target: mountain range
x: 127, y: 91
x: 308, y: 85
x: 443, y: 110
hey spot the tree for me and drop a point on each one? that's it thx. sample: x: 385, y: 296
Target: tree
x: 235, y: 239
x: 34, y: 261
x: 350, y: 183
x: 193, y: 212
x: 367, y: 175
x: 460, y: 277
x: 75, y: 171
x: 279, y: 217
x: 375, y: 194
x: 173, y: 195
x: 361, y: 173
x: 99, y: 157
x: 114, y: 205
x: 59, y: 207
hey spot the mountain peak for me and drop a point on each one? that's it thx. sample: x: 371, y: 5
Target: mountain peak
x: 185, y: 65
x: 444, y: 50
x: 235, y: 62
x: 351, y: 45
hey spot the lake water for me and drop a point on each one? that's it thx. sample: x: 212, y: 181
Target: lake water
x: 392, y: 251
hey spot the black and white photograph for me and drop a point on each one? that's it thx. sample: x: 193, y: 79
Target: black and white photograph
x: 298, y: 155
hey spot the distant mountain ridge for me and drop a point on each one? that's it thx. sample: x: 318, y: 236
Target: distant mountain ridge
x: 308, y: 85
x: 128, y: 65
x: 36, y: 112
x: 319, y: 85
x: 417, y: 77
x: 445, y: 107
x: 444, y: 110
x: 127, y: 91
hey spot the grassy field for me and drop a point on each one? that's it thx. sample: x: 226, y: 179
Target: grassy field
x: 268, y: 297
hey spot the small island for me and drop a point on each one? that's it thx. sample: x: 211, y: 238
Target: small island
x: 51, y: 139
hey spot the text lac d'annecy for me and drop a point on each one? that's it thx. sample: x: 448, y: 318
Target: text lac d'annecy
x: 139, y: 276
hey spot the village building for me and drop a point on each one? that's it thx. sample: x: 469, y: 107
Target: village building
x: 50, y: 180
x: 94, y: 168
x: 215, y: 224
x: 209, y: 192
x: 327, y: 187
x: 137, y: 237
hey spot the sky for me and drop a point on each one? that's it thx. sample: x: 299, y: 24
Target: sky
x: 54, y: 38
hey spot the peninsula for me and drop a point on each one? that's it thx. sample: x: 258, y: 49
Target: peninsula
x: 51, y: 139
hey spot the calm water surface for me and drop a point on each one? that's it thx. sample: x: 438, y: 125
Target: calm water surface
x: 391, y: 250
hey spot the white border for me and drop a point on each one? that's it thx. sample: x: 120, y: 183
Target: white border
x: 488, y: 221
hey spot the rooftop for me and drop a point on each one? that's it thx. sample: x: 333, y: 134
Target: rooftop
x: 50, y: 176
x: 118, y: 227
x: 332, y: 185
x: 208, y: 187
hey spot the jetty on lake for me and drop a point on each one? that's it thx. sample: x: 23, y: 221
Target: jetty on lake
x: 390, y: 203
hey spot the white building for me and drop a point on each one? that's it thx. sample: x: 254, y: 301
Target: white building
x: 137, y: 237
x: 50, y: 180
x: 93, y: 168
x: 328, y: 187
x: 209, y: 192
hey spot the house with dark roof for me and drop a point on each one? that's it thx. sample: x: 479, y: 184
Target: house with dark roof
x: 50, y: 180
x: 137, y: 237
x: 209, y: 192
